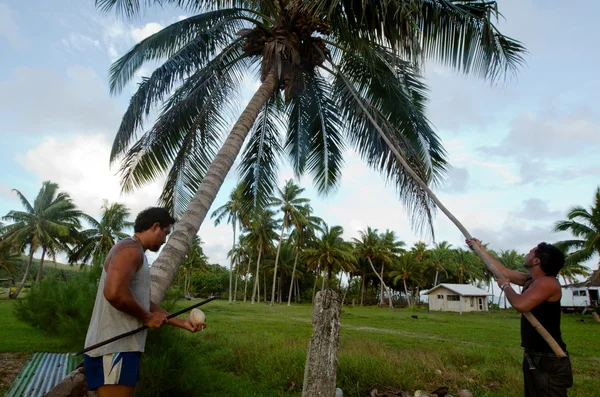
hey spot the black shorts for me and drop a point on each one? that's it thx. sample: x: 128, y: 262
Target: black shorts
x: 546, y: 375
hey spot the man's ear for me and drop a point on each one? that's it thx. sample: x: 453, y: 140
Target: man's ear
x: 156, y: 226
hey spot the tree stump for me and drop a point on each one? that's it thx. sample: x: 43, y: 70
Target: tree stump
x: 74, y: 385
x: 321, y: 362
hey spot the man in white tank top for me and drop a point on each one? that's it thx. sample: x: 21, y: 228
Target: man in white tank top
x: 123, y: 304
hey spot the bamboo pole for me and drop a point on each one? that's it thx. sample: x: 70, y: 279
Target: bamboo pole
x: 530, y: 317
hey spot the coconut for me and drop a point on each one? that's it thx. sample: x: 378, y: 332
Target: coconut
x: 197, y: 317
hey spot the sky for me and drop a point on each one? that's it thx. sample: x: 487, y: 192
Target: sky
x: 522, y: 151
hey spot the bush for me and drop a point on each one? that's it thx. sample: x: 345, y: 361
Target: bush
x: 61, y: 304
x: 212, y: 282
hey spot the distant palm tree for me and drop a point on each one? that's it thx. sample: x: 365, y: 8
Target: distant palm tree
x: 289, y: 201
x: 466, y: 266
x: 330, y: 253
x: 439, y: 259
x: 305, y: 228
x: 233, y: 210
x: 571, y: 270
x: 407, y: 268
x: 94, y: 244
x: 194, y: 260
x: 260, y: 236
x: 584, y: 225
x: 10, y: 258
x: 373, y: 247
x: 49, y: 224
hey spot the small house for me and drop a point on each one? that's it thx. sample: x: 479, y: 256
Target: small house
x: 457, y: 298
x: 577, y: 297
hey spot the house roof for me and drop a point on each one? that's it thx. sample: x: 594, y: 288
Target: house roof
x: 461, y: 289
x: 593, y: 281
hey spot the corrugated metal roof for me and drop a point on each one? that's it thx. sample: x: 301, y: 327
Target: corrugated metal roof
x: 461, y: 289
x: 41, y: 373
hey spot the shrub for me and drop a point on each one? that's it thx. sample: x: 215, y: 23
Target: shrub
x: 61, y: 304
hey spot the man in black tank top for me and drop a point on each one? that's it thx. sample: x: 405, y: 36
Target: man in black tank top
x: 545, y: 375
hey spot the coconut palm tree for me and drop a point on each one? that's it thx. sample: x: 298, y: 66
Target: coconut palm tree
x: 584, y: 225
x: 326, y: 71
x: 571, y: 270
x: 407, y: 268
x: 439, y: 259
x: 94, y: 244
x: 466, y: 266
x: 305, y: 228
x: 50, y: 223
x: 261, y: 235
x: 233, y: 210
x: 194, y: 260
x: 373, y: 247
x: 10, y: 258
x: 289, y: 202
x: 330, y: 253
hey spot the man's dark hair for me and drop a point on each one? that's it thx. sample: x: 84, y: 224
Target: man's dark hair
x: 552, y: 259
x: 150, y: 216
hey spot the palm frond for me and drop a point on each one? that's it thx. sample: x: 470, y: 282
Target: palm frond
x: 392, y: 92
x: 187, y: 133
x: 259, y: 165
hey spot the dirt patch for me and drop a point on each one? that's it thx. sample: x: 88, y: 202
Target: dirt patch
x: 10, y: 366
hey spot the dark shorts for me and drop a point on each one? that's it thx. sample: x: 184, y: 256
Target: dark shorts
x: 546, y: 375
x: 112, y: 369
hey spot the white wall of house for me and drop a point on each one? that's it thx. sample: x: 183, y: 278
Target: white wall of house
x: 443, y: 299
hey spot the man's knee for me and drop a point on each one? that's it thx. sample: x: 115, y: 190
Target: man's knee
x: 116, y: 391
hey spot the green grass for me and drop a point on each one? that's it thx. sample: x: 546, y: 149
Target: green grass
x: 252, y: 350
x: 19, y: 337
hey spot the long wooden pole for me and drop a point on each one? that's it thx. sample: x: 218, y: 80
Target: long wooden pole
x: 530, y: 317
x: 135, y: 331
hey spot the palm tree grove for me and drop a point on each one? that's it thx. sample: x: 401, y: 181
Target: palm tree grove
x: 258, y: 126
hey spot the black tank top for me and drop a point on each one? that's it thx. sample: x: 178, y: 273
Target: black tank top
x: 548, y: 314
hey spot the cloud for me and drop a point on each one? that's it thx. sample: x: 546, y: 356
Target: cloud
x: 9, y: 30
x: 77, y: 42
x: 548, y: 134
x: 458, y: 180
x: 6, y: 192
x: 38, y: 100
x: 80, y: 166
x: 149, y: 29
x: 536, y: 210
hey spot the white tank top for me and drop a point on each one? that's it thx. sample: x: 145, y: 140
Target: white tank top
x: 107, y: 321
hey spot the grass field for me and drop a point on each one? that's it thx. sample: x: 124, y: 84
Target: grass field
x: 252, y: 350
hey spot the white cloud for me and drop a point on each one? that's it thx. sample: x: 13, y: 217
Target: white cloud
x: 77, y: 42
x: 37, y: 100
x: 149, y: 29
x: 9, y: 30
x: 548, y: 133
x: 80, y: 166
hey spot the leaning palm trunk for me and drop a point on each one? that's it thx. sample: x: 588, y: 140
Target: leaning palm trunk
x: 39, y: 272
x: 293, y: 274
x: 256, y: 287
x: 165, y: 267
x: 362, y: 289
x: 231, y: 264
x: 406, y: 292
x: 382, y: 283
x: 275, y: 270
x: 237, y: 272
x: 346, y: 292
x: 247, y: 276
x: 436, y: 277
x: 530, y: 317
x: 20, y: 287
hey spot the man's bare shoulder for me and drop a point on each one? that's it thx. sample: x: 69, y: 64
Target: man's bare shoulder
x: 128, y: 250
x: 549, y: 283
